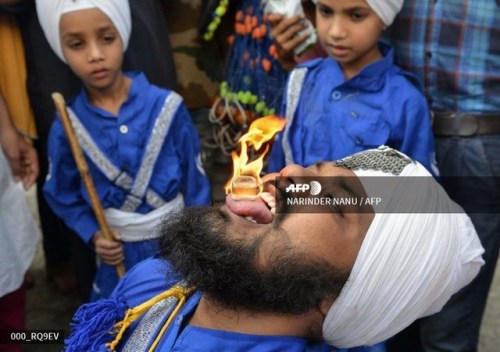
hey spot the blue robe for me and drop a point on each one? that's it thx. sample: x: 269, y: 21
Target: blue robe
x: 123, y: 140
x: 335, y: 117
x: 154, y: 276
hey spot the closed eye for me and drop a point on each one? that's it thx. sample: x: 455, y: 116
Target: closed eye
x: 74, y: 44
x: 334, y: 205
x: 108, y: 39
x: 357, y: 15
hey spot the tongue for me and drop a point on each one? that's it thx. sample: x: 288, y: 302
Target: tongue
x: 253, y: 208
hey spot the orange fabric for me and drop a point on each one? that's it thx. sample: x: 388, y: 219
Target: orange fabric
x: 13, y: 76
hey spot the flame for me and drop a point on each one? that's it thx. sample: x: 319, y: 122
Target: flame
x: 260, y: 131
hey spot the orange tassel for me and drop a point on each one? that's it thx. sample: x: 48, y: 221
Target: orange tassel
x: 256, y: 33
x: 239, y: 16
x: 273, y: 50
x: 266, y: 65
x: 263, y: 30
x: 254, y: 21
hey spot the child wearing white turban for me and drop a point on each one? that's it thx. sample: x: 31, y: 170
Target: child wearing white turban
x: 356, y: 98
x: 385, y: 9
x: 139, y: 140
x: 50, y: 12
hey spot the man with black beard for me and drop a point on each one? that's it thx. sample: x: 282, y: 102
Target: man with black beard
x: 237, y: 277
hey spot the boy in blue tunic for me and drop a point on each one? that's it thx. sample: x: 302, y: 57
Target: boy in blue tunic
x: 356, y: 98
x: 139, y: 141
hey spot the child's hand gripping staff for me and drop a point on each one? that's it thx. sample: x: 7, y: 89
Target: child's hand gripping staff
x: 104, y: 238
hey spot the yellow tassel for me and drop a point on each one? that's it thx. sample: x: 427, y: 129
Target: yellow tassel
x: 132, y: 314
x: 181, y: 302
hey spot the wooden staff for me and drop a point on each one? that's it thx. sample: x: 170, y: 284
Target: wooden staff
x: 83, y: 168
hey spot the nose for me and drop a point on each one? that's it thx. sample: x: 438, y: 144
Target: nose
x: 337, y: 28
x: 95, y: 52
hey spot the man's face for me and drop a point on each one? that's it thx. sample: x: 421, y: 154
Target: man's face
x: 288, y: 263
x: 333, y: 236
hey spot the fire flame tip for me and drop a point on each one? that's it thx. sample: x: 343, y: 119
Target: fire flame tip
x: 261, y: 131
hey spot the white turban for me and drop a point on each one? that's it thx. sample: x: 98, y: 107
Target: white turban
x: 50, y: 12
x: 408, y: 265
x: 385, y: 9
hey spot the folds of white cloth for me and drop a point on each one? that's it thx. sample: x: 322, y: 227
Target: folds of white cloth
x: 18, y: 231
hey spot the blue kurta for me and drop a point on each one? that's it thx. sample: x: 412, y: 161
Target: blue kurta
x: 153, y: 276
x: 336, y: 117
x: 123, y: 140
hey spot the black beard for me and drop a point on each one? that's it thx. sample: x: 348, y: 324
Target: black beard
x: 194, y: 241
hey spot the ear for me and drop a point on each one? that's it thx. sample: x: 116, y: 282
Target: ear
x: 325, y: 305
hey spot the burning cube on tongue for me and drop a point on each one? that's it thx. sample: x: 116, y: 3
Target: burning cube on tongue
x: 246, y: 182
x: 245, y: 187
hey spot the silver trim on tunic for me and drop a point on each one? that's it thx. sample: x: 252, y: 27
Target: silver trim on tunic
x: 158, y: 134
x: 96, y: 154
x: 144, y: 335
x: 122, y: 179
x: 292, y: 101
x: 154, y: 199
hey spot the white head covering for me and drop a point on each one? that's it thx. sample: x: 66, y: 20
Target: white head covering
x: 408, y: 265
x: 50, y: 12
x: 385, y: 9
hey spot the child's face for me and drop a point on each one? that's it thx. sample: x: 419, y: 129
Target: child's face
x: 92, y: 46
x: 349, y: 32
